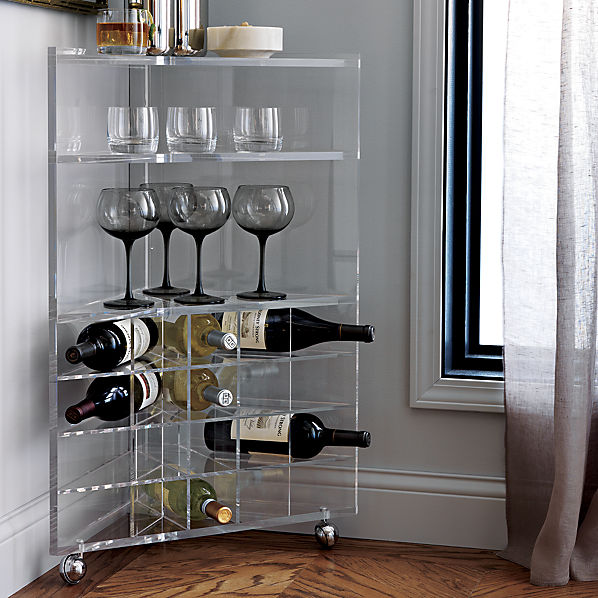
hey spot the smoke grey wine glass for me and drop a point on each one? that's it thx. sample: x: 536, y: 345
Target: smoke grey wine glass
x: 128, y: 215
x: 199, y: 211
x: 263, y: 210
x: 165, y: 226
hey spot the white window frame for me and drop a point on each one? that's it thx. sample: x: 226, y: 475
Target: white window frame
x: 428, y: 388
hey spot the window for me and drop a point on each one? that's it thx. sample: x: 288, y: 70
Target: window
x: 472, y: 287
x: 441, y: 379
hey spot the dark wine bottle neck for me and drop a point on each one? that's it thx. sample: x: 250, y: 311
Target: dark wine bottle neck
x: 349, y: 438
x: 77, y: 353
x: 353, y: 332
x: 77, y: 413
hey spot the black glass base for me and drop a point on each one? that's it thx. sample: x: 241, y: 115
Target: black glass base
x: 165, y: 291
x: 198, y: 299
x: 128, y: 304
x: 262, y: 296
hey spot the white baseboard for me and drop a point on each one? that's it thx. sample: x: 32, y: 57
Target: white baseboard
x: 425, y: 508
x: 24, y: 545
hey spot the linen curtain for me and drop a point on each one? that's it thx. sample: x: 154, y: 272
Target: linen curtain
x: 550, y: 275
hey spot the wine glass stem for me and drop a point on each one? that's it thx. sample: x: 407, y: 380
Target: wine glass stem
x: 166, y: 277
x: 261, y: 287
x: 198, y: 286
x: 128, y: 247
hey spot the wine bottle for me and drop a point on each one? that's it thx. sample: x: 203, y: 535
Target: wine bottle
x: 202, y: 499
x: 206, y: 335
x: 270, y: 434
x: 271, y: 329
x: 109, y: 399
x: 104, y: 346
x: 204, y: 389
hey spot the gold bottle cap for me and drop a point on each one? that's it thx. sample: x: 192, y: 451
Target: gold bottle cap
x: 219, y: 512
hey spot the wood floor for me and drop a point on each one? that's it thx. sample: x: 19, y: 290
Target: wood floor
x: 266, y: 564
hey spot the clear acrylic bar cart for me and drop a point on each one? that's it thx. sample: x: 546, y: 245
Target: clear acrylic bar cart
x: 100, y: 471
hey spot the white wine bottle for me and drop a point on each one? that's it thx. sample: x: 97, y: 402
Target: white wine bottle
x: 202, y: 500
x: 206, y: 335
x: 204, y: 389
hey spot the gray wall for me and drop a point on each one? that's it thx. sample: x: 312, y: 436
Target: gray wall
x: 26, y: 34
x: 459, y: 450
x: 466, y: 446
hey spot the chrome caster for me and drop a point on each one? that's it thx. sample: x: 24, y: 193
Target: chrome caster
x: 326, y: 533
x: 72, y: 568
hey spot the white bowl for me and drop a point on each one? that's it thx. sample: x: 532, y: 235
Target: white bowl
x: 245, y: 41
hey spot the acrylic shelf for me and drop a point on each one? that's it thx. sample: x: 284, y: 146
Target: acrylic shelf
x: 116, y: 473
x: 96, y: 312
x: 166, y: 362
x: 184, y: 158
x: 160, y: 418
x: 279, y: 60
x: 160, y: 528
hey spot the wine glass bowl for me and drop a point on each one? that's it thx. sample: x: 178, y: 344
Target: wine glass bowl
x: 127, y: 214
x: 199, y: 211
x: 263, y: 210
x: 164, y: 193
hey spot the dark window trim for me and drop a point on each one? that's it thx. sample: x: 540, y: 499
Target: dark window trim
x: 463, y: 356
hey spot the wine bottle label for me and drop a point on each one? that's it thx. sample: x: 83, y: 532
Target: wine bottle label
x: 271, y: 428
x: 150, y: 387
x: 253, y: 327
x: 141, y: 337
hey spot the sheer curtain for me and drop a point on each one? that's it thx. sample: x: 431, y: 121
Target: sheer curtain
x: 550, y: 273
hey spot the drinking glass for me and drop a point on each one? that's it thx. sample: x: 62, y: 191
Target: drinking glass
x: 257, y: 130
x: 199, y: 211
x: 133, y: 130
x: 68, y: 129
x: 128, y: 214
x: 263, y: 210
x: 165, y: 226
x: 122, y: 31
x: 191, y: 129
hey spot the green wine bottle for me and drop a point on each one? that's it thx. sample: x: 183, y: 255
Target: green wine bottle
x: 203, y: 500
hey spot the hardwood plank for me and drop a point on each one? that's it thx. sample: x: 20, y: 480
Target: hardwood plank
x: 352, y: 577
x: 514, y: 583
x: 271, y: 564
x: 382, y: 549
x: 295, y: 543
x: 100, y: 566
x: 222, y: 575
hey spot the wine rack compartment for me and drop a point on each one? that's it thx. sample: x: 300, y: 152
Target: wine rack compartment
x: 172, y: 421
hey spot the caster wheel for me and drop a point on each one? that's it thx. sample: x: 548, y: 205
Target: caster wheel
x: 72, y: 569
x: 326, y: 534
